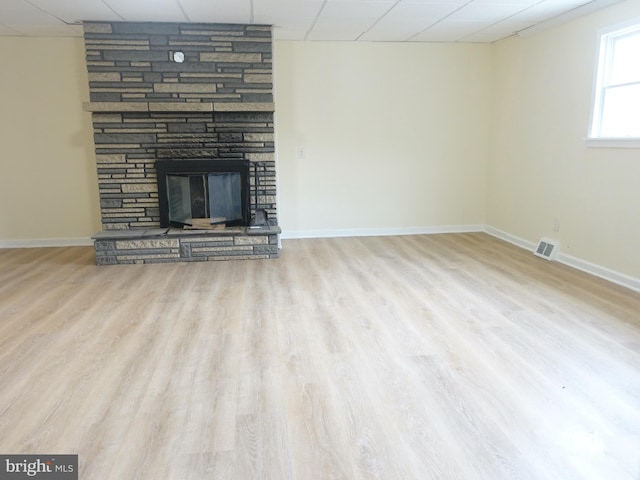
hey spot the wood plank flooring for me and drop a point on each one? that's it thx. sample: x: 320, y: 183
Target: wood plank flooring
x: 417, y: 357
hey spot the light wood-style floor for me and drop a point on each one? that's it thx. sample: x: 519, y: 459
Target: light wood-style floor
x: 418, y: 357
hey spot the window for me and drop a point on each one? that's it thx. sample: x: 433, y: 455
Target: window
x: 616, y: 106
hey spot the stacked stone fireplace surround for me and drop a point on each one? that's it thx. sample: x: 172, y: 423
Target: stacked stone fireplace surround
x: 217, y: 104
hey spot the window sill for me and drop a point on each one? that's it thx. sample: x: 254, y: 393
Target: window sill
x: 613, y: 142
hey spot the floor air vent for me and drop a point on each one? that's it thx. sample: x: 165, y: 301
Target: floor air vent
x: 547, y: 249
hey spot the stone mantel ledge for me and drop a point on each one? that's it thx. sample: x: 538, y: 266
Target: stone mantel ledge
x: 119, y: 107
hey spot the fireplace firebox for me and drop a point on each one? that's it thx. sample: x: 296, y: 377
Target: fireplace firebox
x: 210, y: 190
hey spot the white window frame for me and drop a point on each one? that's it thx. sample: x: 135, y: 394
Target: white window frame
x: 607, y: 38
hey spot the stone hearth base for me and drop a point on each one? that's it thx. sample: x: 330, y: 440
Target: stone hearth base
x: 162, y: 245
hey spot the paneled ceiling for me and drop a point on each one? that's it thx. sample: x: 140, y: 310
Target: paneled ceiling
x: 482, y: 21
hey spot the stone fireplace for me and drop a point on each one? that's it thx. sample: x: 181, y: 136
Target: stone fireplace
x: 190, y: 95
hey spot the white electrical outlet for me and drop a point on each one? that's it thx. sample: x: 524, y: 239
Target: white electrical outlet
x: 556, y: 225
x: 301, y: 153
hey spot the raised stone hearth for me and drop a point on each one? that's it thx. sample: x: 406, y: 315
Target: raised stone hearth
x: 215, y: 104
x: 174, y: 245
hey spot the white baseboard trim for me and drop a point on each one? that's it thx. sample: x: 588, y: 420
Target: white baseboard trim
x: 507, y: 237
x: 571, y: 261
x: 47, y: 242
x: 379, y: 232
x: 599, y: 271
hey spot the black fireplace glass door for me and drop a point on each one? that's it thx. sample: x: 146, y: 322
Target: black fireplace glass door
x: 179, y: 197
x: 217, y: 190
x: 225, y: 197
x: 217, y: 196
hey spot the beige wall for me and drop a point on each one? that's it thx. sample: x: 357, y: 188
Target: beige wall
x: 540, y: 167
x: 48, y: 186
x: 396, y: 135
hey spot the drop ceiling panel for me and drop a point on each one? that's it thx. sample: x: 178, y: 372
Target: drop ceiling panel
x: 450, y: 31
x: 147, y: 10
x: 19, y: 12
x: 486, y: 12
x: 334, y: 35
x: 358, y: 4
x: 221, y: 11
x: 393, y: 31
x: 522, y: 3
x: 390, y: 34
x: 542, y: 11
x: 567, y: 3
x: 285, y: 22
x: 338, y: 24
x: 288, y: 33
x: 414, y: 11
x: 73, y: 11
x: 407, y: 19
x: 341, y: 9
x: 287, y: 14
x: 496, y: 32
x: 292, y: 8
x: 351, y: 18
